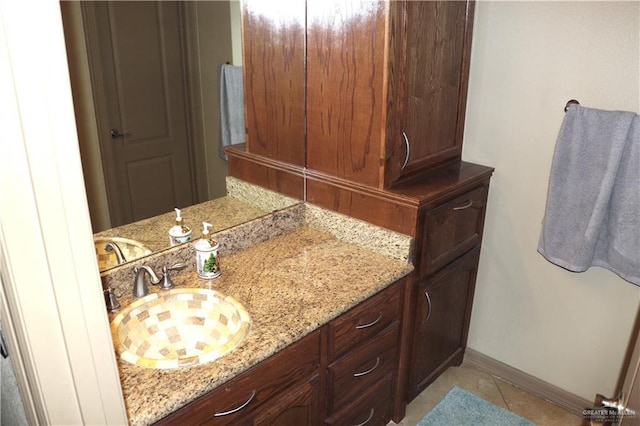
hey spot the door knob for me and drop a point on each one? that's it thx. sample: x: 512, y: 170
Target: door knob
x: 115, y: 134
x: 608, y: 410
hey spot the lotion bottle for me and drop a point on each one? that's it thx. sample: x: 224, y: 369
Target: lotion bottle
x: 207, y: 258
x: 179, y: 233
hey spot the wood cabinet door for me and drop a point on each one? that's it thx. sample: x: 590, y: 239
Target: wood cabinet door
x: 441, y: 321
x: 273, y: 36
x: 346, y: 49
x: 433, y: 86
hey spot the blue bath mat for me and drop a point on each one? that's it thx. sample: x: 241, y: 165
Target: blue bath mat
x: 462, y: 408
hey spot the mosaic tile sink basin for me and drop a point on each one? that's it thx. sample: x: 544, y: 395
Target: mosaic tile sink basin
x: 107, y: 258
x: 179, y: 328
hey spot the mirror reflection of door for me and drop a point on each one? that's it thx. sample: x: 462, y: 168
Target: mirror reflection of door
x: 140, y: 91
x: 149, y: 69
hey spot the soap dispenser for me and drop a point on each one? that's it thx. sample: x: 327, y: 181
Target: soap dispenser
x: 207, y: 258
x: 179, y: 233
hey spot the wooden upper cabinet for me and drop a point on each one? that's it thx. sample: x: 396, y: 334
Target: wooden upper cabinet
x: 345, y: 87
x: 274, y: 79
x: 386, y: 86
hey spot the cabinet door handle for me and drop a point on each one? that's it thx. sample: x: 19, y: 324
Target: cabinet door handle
x: 466, y: 206
x: 364, y: 373
x: 371, y: 324
x: 368, y: 418
x: 426, y: 295
x: 406, y: 144
x: 235, y: 410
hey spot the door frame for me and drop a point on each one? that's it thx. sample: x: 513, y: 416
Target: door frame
x: 53, y: 307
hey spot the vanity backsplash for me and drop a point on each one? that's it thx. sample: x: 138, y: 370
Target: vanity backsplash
x: 279, y: 222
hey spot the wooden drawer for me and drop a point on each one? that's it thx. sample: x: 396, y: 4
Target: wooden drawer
x: 364, y: 321
x: 372, y: 408
x: 252, y: 388
x: 361, y: 369
x: 452, y: 229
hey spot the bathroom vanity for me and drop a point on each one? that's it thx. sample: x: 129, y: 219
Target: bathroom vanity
x: 351, y: 126
x: 385, y: 89
x: 325, y: 325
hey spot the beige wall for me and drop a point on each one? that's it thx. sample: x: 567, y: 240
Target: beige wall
x: 528, y: 59
x: 236, y: 32
x: 85, y: 115
x: 214, y: 38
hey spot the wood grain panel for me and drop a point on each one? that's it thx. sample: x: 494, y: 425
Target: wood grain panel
x: 276, y: 176
x: 274, y: 79
x: 436, y: 54
x: 346, y: 332
x: 346, y: 88
x: 373, y: 208
x: 452, y: 229
x: 441, y: 321
x: 268, y: 379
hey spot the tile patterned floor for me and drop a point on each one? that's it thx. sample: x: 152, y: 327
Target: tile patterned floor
x: 493, y: 390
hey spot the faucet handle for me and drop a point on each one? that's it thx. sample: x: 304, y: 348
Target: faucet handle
x: 167, y: 283
x: 110, y: 299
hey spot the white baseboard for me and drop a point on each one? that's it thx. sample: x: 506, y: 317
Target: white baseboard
x: 527, y: 382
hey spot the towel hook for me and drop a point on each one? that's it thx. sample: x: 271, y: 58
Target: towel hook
x: 569, y: 103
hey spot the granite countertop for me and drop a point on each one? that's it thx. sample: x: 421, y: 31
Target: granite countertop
x: 223, y: 212
x: 290, y: 284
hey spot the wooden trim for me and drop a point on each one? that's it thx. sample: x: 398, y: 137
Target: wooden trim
x: 399, y: 409
x: 364, y: 205
x: 193, y: 97
x: 361, y: 188
x: 97, y: 79
x: 285, y: 178
x: 464, y: 72
x: 527, y: 382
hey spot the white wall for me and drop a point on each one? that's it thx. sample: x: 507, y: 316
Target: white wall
x: 528, y: 60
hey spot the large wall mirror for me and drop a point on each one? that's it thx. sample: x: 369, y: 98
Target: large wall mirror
x: 145, y: 79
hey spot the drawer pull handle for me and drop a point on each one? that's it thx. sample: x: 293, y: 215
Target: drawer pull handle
x: 368, y: 418
x: 371, y: 324
x: 426, y: 295
x: 235, y: 410
x: 466, y: 206
x: 364, y: 373
x: 406, y: 144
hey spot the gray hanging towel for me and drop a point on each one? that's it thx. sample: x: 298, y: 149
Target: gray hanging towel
x: 592, y: 216
x: 232, y: 127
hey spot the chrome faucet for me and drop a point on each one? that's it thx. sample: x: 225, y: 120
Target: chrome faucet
x: 140, y: 287
x: 110, y: 246
x: 110, y: 300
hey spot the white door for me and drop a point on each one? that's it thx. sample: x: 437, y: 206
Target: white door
x: 138, y: 75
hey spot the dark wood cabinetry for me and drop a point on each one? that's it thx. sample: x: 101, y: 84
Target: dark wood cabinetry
x: 363, y: 349
x: 386, y: 87
x: 432, y: 90
x: 285, y: 386
x: 452, y: 229
x: 345, y: 370
x: 441, y: 320
x: 274, y: 81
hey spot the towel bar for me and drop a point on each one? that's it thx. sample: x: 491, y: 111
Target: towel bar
x: 569, y: 103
